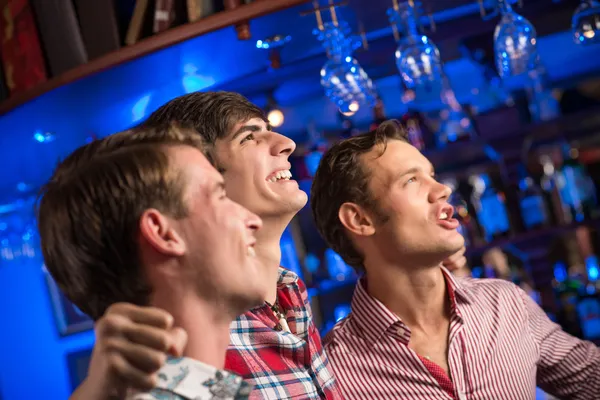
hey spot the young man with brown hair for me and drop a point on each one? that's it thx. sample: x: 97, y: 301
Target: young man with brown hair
x: 415, y: 331
x: 275, y: 347
x: 143, y: 218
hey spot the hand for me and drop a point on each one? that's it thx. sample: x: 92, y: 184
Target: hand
x: 132, y: 344
x: 456, y: 262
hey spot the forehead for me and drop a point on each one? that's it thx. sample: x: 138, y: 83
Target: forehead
x: 397, y: 157
x: 194, y: 165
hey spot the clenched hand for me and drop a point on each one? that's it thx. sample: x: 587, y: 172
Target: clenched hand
x: 132, y: 344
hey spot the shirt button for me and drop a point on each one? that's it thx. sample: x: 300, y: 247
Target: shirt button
x: 401, y: 331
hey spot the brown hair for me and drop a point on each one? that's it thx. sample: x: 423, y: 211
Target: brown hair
x: 211, y: 114
x: 342, y: 178
x: 89, y: 212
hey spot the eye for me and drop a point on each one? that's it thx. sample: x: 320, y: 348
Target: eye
x: 413, y: 179
x: 248, y: 137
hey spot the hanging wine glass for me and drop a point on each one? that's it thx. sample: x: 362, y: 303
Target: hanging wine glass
x: 586, y: 22
x: 417, y: 57
x: 542, y: 104
x: 346, y: 83
x: 515, y: 42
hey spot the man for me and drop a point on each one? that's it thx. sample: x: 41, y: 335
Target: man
x: 275, y: 347
x: 415, y: 331
x: 144, y: 218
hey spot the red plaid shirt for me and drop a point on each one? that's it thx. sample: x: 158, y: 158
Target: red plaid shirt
x: 281, y: 365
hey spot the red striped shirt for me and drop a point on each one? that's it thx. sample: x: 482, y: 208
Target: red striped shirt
x: 501, y: 345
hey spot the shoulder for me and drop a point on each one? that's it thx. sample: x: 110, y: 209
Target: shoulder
x: 494, y: 293
x: 343, y: 338
x: 184, y: 378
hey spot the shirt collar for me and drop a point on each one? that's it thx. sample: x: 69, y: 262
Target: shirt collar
x: 286, y: 277
x: 374, y: 318
x: 193, y: 379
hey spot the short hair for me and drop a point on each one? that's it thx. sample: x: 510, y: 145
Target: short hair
x: 89, y: 211
x: 211, y: 114
x: 342, y: 177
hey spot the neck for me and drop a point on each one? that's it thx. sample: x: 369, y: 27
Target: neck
x: 268, y: 251
x: 417, y: 295
x: 207, y: 326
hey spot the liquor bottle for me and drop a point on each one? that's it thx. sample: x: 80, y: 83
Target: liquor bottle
x: 418, y: 132
x: 534, y: 211
x: 456, y: 124
x: 588, y: 307
x: 567, y: 294
x: 490, y: 207
x: 576, y: 188
x: 542, y: 104
x: 549, y: 182
x: 378, y: 114
x: 468, y: 225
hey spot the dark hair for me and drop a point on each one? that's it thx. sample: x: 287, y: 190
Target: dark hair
x: 211, y: 114
x: 342, y: 178
x: 89, y: 212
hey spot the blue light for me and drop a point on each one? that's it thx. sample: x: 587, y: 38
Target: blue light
x: 39, y: 137
x: 560, y: 272
x: 259, y: 44
x: 139, y: 109
x: 341, y: 312
x: 593, y: 269
x: 348, y: 59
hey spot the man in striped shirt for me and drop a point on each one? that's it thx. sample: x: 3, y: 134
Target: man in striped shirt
x: 415, y: 331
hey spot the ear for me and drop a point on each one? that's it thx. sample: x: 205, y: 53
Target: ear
x: 356, y: 220
x: 159, y: 232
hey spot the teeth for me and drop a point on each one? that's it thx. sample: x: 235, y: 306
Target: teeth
x: 251, y: 252
x: 285, y: 175
x: 443, y: 215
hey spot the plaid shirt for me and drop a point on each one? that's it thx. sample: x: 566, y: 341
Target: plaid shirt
x: 281, y: 365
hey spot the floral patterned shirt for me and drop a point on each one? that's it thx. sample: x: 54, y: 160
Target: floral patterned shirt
x: 187, y: 379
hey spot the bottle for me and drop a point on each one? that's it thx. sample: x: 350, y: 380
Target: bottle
x: 468, y: 225
x: 576, y: 188
x: 588, y: 306
x: 532, y: 204
x: 378, y: 114
x: 559, y: 214
x: 456, y: 125
x: 490, y: 207
x: 567, y: 294
x: 418, y: 132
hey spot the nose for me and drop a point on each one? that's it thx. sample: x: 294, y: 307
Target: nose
x: 253, y: 221
x: 439, y: 192
x: 281, y: 145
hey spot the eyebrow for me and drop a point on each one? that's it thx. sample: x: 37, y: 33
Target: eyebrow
x: 249, y: 128
x: 414, y: 170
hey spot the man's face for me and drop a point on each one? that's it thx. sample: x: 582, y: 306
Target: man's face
x: 257, y: 171
x: 417, y: 219
x: 219, y: 235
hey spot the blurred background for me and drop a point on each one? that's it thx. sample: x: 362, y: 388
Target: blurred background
x: 502, y: 96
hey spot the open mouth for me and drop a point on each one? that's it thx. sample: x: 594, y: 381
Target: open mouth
x: 282, y: 175
x: 446, y: 213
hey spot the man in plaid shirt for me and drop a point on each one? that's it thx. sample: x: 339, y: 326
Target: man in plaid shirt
x: 275, y: 347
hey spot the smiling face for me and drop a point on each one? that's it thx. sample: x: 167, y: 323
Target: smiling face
x: 257, y: 170
x: 414, y: 219
x: 219, y: 235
